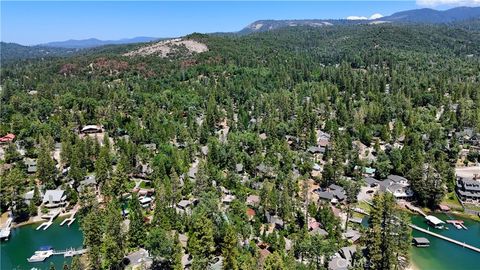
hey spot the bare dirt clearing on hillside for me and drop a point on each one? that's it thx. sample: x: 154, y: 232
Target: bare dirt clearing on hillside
x: 169, y: 47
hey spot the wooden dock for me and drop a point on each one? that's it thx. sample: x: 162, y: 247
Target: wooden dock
x: 465, y: 245
x: 48, y: 223
x: 459, y: 224
x: 70, y: 220
x: 5, y: 231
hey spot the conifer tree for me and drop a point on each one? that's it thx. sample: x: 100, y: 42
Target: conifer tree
x: 136, y: 231
x: 229, y: 249
x: 46, y: 171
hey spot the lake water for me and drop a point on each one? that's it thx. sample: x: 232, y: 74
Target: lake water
x: 24, y: 241
x: 443, y: 255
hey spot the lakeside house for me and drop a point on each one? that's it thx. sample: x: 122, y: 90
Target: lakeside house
x: 54, y: 198
x: 397, y: 185
x: 468, y: 189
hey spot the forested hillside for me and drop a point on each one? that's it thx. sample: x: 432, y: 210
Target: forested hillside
x: 240, y: 120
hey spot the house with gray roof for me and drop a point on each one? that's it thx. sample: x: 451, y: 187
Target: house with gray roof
x: 371, y: 182
x: 398, y: 179
x: 54, y: 198
x: 338, y: 263
x: 468, y: 189
x: 31, y: 165
x: 239, y: 168
x: 398, y: 186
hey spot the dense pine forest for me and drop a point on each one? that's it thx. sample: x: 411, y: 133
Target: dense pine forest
x: 237, y: 147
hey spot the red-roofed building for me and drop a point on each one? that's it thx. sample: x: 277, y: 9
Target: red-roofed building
x: 7, y: 138
x: 443, y: 207
x: 250, y: 213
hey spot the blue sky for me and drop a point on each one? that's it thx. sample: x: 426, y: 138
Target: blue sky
x: 37, y: 22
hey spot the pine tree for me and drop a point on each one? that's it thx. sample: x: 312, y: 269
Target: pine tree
x: 136, y: 231
x: 92, y: 236
x: 177, y: 254
x: 76, y: 172
x: 102, y: 167
x: 229, y: 249
x: 387, y: 236
x: 274, y: 262
x: 112, y: 248
x: 36, y: 196
x: 46, y: 170
x: 200, y: 242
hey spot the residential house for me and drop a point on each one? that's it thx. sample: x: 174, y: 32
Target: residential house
x: 31, y: 165
x: 371, y: 182
x: 468, y: 190
x: 139, y: 258
x: 351, y: 235
x: 250, y: 213
x: 54, y: 198
x: 7, y: 138
x: 88, y: 181
x: 184, y: 207
x: 398, y: 179
x: 239, y: 168
x: 275, y: 220
x: 145, y: 201
x: 337, y: 263
x: 398, y: 186
x: 253, y: 200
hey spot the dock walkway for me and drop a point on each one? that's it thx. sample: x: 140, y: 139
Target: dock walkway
x: 465, y: 245
x: 47, y: 224
x: 71, y: 219
x: 5, y: 231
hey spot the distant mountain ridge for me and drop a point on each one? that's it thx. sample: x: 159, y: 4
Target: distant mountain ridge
x: 14, y: 51
x: 424, y: 15
x: 427, y: 15
x: 93, y: 42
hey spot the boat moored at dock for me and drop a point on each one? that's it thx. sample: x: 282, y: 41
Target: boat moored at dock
x: 42, y: 254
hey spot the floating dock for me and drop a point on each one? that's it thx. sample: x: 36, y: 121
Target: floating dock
x: 459, y: 224
x: 48, y: 223
x: 5, y: 232
x: 445, y: 238
x: 43, y: 254
x: 69, y: 220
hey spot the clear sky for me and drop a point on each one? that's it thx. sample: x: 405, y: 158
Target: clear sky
x: 37, y: 22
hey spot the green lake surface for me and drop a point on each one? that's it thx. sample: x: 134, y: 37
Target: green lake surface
x: 24, y: 241
x: 443, y: 255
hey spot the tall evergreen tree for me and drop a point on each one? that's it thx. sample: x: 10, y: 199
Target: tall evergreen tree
x: 46, y: 170
x: 229, y: 249
x: 136, y: 231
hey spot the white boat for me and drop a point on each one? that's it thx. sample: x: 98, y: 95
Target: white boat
x: 41, y: 255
